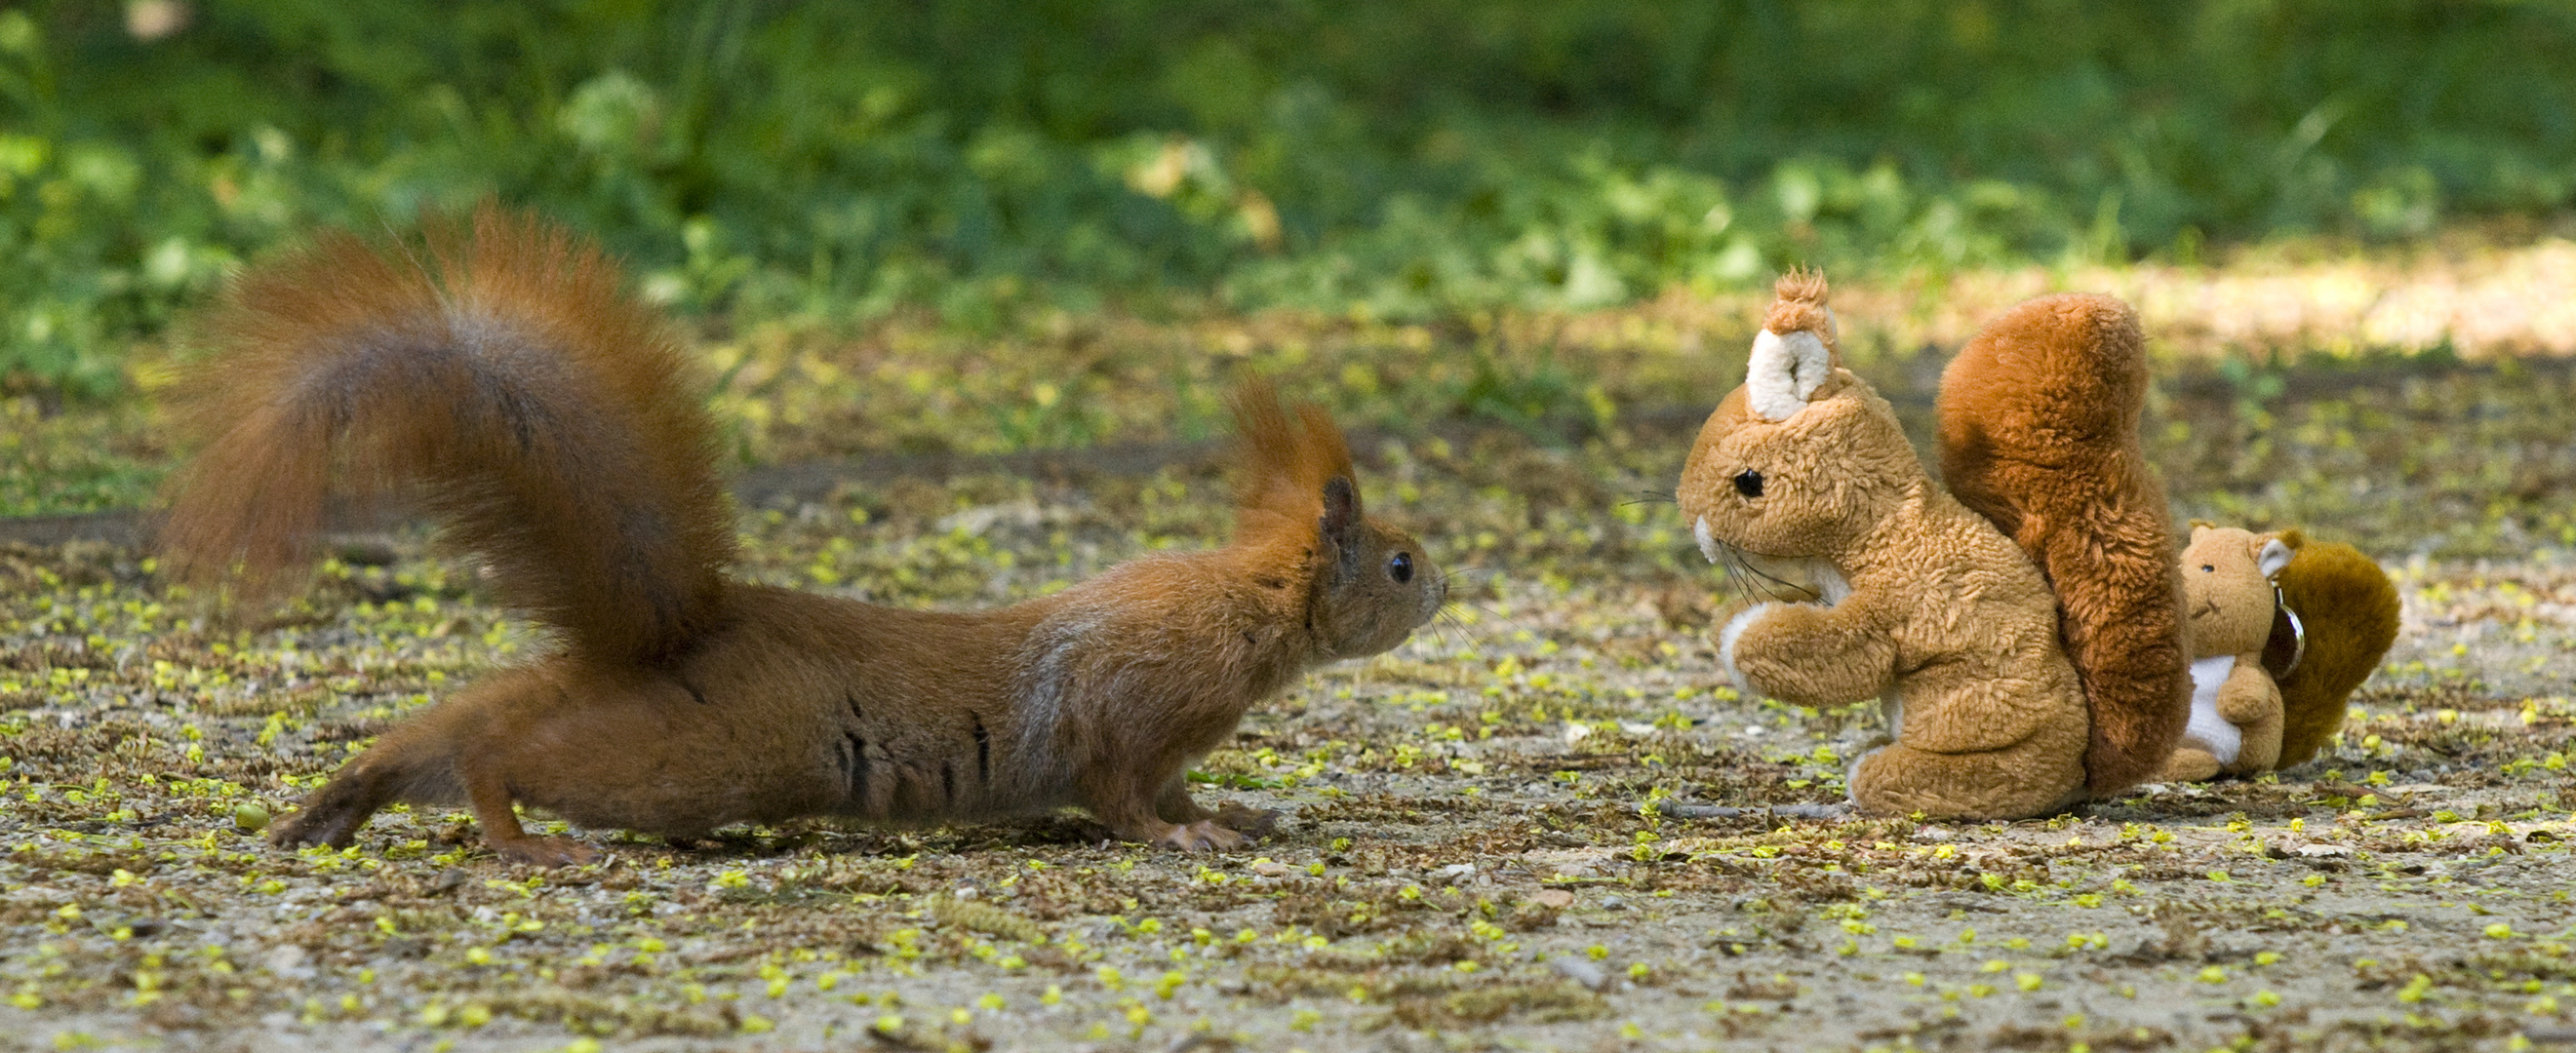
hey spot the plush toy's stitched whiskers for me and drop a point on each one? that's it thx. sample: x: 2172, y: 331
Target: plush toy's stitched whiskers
x: 1743, y: 575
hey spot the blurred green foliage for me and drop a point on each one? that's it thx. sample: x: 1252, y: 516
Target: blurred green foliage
x: 1423, y: 158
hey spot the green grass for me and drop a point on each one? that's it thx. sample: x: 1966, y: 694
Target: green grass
x: 993, y: 162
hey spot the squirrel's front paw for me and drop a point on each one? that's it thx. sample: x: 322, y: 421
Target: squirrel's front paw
x: 1201, y: 836
x: 546, y: 851
x: 310, y: 826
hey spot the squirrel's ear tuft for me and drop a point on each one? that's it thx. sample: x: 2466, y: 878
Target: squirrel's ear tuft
x: 1283, y: 461
x: 1798, y: 305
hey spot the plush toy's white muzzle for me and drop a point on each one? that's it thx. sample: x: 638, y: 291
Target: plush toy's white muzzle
x: 1784, y: 370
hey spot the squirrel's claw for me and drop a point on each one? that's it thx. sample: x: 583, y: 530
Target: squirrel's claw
x: 1201, y: 836
x: 546, y: 851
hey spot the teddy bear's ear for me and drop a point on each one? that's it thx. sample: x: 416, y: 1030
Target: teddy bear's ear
x: 1784, y: 372
x: 2199, y: 527
x: 2273, y: 557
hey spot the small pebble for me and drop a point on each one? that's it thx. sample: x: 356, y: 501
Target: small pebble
x: 1553, y: 898
x: 1580, y: 971
x: 1270, y: 868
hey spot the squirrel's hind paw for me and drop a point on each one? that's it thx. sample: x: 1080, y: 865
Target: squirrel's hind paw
x: 1250, y: 822
x: 1201, y: 836
x: 546, y: 851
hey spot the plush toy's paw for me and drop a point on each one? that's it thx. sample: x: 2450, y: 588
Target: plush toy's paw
x: 2031, y: 779
x: 1869, y: 747
x: 1728, y: 632
x: 1201, y: 836
x: 2189, y: 765
x: 1726, y: 612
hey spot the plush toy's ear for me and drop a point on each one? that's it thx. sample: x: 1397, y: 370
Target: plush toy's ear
x: 2273, y: 557
x: 2198, y: 528
x: 1783, y: 372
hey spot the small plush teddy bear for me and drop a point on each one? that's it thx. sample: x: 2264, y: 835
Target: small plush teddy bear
x: 2229, y: 600
x: 2284, y: 629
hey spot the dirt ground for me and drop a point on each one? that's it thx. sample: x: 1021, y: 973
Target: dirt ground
x: 1467, y: 857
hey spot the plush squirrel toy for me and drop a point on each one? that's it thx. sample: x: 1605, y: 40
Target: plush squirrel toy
x: 2283, y: 630
x: 541, y: 416
x: 1804, y: 474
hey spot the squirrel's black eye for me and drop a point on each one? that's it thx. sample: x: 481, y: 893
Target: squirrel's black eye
x: 1400, y: 568
x: 1749, y: 483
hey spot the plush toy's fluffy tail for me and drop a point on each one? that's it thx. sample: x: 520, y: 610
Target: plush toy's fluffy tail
x: 503, y: 379
x: 2349, y: 610
x: 2039, y: 433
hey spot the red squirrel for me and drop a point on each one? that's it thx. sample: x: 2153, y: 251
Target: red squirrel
x: 541, y: 416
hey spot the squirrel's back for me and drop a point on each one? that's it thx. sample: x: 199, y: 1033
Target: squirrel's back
x: 2039, y: 433
x: 502, y: 378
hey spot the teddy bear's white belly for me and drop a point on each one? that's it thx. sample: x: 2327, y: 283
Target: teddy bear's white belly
x: 2207, y: 729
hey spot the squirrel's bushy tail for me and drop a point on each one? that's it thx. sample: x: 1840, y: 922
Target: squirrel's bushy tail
x: 2039, y: 433
x: 504, y: 380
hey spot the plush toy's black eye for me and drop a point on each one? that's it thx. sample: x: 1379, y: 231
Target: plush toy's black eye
x: 2207, y: 568
x: 1749, y: 483
x: 1400, y: 568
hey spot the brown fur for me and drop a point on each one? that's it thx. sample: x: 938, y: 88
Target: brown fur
x: 2039, y: 434
x: 504, y: 374
x: 546, y: 420
x: 2350, y: 610
x: 1943, y: 618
